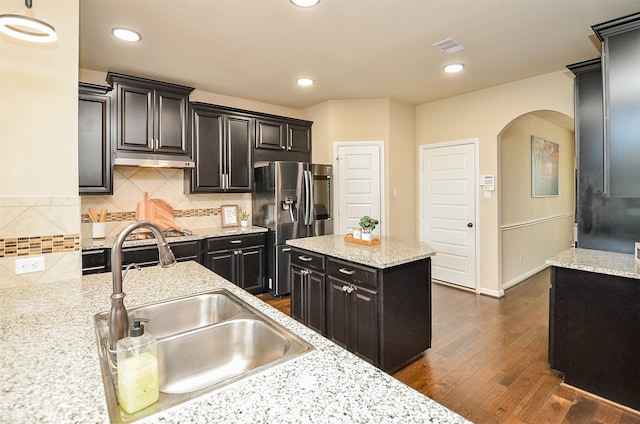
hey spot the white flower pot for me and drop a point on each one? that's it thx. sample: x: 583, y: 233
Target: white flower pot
x: 366, y: 236
x: 244, y: 223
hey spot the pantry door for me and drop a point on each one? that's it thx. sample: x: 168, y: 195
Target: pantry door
x: 359, y: 184
x: 448, y: 209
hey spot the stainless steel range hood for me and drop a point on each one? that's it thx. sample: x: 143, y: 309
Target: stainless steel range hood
x: 152, y: 160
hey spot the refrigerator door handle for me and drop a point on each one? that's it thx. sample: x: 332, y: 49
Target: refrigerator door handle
x: 308, y: 199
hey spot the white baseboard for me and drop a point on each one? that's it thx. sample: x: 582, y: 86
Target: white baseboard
x: 519, y: 279
x: 493, y: 293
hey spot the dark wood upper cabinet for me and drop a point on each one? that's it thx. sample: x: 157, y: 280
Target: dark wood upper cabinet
x: 150, y: 116
x: 94, y: 139
x: 222, y: 150
x: 621, y: 71
x: 279, y: 138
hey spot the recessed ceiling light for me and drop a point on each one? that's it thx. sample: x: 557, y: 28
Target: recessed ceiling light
x: 126, y: 34
x: 305, y: 3
x: 453, y: 68
x: 304, y: 81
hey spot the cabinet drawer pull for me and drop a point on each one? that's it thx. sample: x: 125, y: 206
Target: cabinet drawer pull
x: 347, y: 271
x: 305, y: 258
x: 236, y: 241
x: 286, y: 249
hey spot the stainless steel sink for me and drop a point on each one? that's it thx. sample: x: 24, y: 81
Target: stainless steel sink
x: 175, y: 316
x: 205, y: 342
x: 210, y: 355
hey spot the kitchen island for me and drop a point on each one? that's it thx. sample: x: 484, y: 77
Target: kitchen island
x: 594, y: 323
x: 374, y: 301
x: 50, y: 372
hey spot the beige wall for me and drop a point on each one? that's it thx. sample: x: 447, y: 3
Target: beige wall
x: 484, y: 114
x: 533, y: 228
x: 384, y: 120
x: 38, y: 144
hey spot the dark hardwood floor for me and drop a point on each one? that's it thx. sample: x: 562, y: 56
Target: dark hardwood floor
x: 488, y: 360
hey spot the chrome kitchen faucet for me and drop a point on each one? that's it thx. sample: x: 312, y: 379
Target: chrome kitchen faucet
x: 118, y: 318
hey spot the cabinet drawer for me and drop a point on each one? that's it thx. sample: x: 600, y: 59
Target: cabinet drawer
x: 95, y: 261
x: 305, y: 259
x: 356, y: 274
x: 234, y: 242
x: 186, y: 250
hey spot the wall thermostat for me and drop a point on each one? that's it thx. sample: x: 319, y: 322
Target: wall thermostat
x: 488, y: 180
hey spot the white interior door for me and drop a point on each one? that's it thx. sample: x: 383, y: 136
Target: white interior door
x: 448, y: 210
x: 359, y: 185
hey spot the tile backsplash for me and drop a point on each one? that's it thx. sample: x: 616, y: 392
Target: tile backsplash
x: 53, y: 226
x: 45, y: 226
x: 192, y: 211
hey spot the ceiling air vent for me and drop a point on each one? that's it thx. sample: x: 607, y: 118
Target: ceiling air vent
x: 449, y: 46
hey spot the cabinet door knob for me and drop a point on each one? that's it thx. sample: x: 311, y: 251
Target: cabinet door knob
x: 345, y: 288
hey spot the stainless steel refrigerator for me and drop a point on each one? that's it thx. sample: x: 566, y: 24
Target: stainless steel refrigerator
x: 293, y: 200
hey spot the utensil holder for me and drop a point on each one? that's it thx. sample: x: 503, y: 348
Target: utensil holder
x: 98, y: 230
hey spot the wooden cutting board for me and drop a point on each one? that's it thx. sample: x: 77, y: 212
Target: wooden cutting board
x: 156, y: 211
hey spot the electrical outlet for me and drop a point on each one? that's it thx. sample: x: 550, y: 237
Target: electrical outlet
x: 26, y: 265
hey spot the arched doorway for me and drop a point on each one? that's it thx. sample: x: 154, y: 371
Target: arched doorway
x: 534, y: 226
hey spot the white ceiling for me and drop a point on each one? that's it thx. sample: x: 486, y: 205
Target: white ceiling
x: 354, y: 49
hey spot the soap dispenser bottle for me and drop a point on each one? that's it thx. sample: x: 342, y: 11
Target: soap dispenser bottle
x: 137, y: 363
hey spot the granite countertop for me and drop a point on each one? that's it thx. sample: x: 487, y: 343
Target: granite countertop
x: 198, y: 234
x: 50, y: 373
x: 390, y: 252
x: 598, y: 261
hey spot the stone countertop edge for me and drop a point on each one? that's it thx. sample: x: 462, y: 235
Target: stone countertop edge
x: 598, y: 261
x: 50, y: 373
x: 202, y: 233
x: 390, y: 252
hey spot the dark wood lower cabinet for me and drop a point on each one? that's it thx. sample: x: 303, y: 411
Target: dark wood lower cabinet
x: 594, y: 333
x: 352, y: 318
x: 239, y: 259
x: 308, y: 289
x: 381, y: 315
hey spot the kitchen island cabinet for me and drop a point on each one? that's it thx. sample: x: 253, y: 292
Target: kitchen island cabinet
x: 594, y: 323
x: 326, y: 385
x: 378, y: 298
x: 308, y: 290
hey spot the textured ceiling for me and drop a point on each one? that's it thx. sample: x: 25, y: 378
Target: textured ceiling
x: 354, y: 49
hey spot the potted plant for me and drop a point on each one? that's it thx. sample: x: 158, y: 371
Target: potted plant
x: 244, y: 219
x: 367, y: 224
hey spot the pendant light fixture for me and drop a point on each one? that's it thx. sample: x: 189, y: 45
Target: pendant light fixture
x: 26, y: 28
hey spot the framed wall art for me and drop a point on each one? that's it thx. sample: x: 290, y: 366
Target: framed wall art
x: 544, y: 167
x: 229, y: 215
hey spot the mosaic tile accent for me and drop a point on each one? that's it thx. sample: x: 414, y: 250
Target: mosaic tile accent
x: 39, y: 245
x: 179, y: 213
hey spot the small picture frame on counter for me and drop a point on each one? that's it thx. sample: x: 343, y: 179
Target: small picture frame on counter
x: 229, y: 214
x: 636, y: 253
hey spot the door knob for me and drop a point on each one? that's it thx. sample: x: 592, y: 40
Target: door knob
x: 470, y: 225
